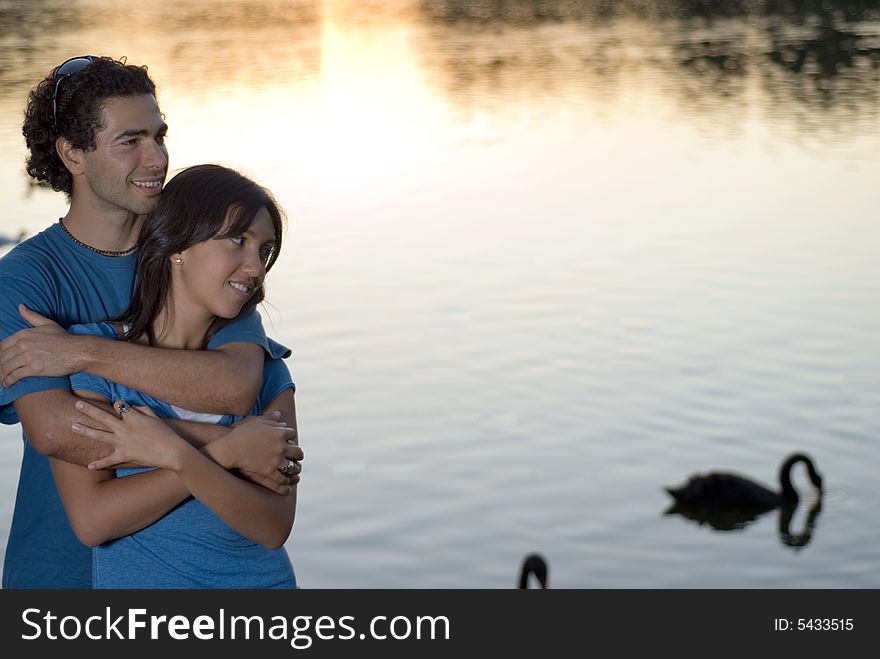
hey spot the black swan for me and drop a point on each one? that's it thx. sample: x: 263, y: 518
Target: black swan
x: 731, y: 490
x: 533, y: 564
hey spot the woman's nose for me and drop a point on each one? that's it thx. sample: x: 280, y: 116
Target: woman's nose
x: 254, y: 266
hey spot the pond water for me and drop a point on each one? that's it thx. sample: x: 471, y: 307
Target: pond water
x: 542, y: 259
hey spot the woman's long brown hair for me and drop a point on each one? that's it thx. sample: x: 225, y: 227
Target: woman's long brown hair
x: 193, y: 208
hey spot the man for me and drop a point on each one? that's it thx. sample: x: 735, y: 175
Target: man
x: 94, y: 131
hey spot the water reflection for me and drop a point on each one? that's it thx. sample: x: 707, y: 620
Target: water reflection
x: 808, y: 65
x: 723, y: 519
x: 23, y: 30
x: 611, y: 255
x: 800, y: 540
x: 200, y: 46
x: 531, y: 12
x: 737, y: 519
x: 19, y: 21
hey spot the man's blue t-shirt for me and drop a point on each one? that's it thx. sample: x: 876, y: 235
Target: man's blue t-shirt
x: 57, y: 278
x: 189, y: 547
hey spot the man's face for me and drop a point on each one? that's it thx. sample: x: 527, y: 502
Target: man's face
x: 128, y: 166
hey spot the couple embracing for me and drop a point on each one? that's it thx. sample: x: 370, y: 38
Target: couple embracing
x: 159, y: 426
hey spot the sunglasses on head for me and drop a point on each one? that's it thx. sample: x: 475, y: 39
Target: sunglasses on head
x: 68, y: 68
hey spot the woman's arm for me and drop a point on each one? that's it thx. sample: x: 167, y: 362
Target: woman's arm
x: 253, y: 511
x: 101, y: 507
x: 140, y: 437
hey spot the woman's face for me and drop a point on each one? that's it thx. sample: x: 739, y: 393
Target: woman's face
x: 222, y: 274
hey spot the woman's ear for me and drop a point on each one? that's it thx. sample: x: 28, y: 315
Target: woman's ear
x: 71, y: 157
x: 176, y: 259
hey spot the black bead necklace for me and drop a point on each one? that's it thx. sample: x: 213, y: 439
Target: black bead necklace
x: 102, y: 252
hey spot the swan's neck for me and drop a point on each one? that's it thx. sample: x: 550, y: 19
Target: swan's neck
x: 788, y: 491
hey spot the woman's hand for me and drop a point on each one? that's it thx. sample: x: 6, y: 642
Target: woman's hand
x: 137, y: 436
x: 260, y: 447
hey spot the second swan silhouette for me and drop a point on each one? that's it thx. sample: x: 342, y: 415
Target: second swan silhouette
x: 7, y: 240
x: 536, y: 565
x: 726, y: 490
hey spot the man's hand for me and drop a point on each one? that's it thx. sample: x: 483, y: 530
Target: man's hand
x: 46, y: 349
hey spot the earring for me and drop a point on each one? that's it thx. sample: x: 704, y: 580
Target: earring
x: 178, y: 260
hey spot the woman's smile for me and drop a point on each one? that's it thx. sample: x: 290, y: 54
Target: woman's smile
x: 243, y: 290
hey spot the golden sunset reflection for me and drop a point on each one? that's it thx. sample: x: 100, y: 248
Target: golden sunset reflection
x: 362, y: 88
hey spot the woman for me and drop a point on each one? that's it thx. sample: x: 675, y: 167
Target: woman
x: 203, y: 254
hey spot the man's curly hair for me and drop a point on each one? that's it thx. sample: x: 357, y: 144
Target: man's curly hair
x: 80, y: 103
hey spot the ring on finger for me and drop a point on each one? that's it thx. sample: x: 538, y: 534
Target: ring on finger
x: 122, y: 408
x: 286, y: 468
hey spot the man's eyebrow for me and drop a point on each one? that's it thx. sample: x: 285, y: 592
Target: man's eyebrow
x: 140, y: 132
x: 131, y: 133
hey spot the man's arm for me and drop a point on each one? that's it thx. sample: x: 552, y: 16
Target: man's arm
x: 221, y: 381
x: 225, y: 380
x: 48, y: 417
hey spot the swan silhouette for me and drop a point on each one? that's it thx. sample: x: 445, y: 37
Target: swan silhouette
x: 725, y: 490
x: 536, y: 565
x: 6, y: 240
